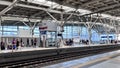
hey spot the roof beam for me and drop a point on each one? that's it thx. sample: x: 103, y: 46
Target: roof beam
x: 109, y: 7
x: 29, y: 6
x: 10, y: 6
x: 32, y: 20
x: 38, y: 13
x: 18, y: 19
x: 92, y: 1
x: 34, y: 7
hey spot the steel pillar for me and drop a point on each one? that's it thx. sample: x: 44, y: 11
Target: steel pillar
x: 108, y: 40
x: 89, y: 35
x: 0, y: 31
x: 117, y: 32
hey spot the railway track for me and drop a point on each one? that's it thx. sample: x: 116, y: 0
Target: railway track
x: 47, y: 60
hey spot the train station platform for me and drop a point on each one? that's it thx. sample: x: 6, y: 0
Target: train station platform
x: 22, y: 49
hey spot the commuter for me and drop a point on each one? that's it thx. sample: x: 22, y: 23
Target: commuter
x: 84, y: 42
x: 67, y: 42
x: 21, y: 42
x: 17, y: 43
x: 9, y: 45
x: 13, y: 43
x: 70, y: 42
x: 35, y: 41
x: 2, y: 45
x: 27, y: 42
x: 32, y: 42
x: 23, y: 45
x: 115, y: 41
x: 87, y: 42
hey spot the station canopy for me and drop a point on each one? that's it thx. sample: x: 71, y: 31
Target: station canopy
x: 101, y: 14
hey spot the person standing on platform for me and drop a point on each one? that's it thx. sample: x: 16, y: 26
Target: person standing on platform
x: 35, y: 41
x: 70, y: 42
x: 13, y: 43
x: 21, y: 42
x: 2, y: 45
x: 27, y: 42
x: 17, y: 44
x: 32, y: 42
x: 9, y: 45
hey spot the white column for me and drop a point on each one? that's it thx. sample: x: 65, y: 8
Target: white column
x: 89, y: 35
x: 107, y: 37
x: 99, y: 34
x: 117, y: 34
x: 1, y: 31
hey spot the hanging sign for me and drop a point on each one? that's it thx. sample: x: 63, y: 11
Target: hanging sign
x: 48, y: 26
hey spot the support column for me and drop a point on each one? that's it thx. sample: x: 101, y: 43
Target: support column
x: 117, y: 33
x: 81, y: 35
x: 0, y: 31
x: 107, y: 37
x: 89, y: 35
x: 99, y: 35
x: 72, y: 29
x: 32, y: 31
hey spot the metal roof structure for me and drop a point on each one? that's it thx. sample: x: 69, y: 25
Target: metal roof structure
x: 19, y: 12
x: 96, y: 6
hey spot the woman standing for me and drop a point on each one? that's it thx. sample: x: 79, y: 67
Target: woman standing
x: 13, y: 43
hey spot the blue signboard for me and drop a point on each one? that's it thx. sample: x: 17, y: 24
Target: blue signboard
x: 106, y: 37
x: 43, y: 32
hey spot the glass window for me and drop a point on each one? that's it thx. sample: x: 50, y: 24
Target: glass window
x: 36, y: 31
x: 9, y: 28
x: 9, y: 33
x: 23, y: 27
x: 36, y: 34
